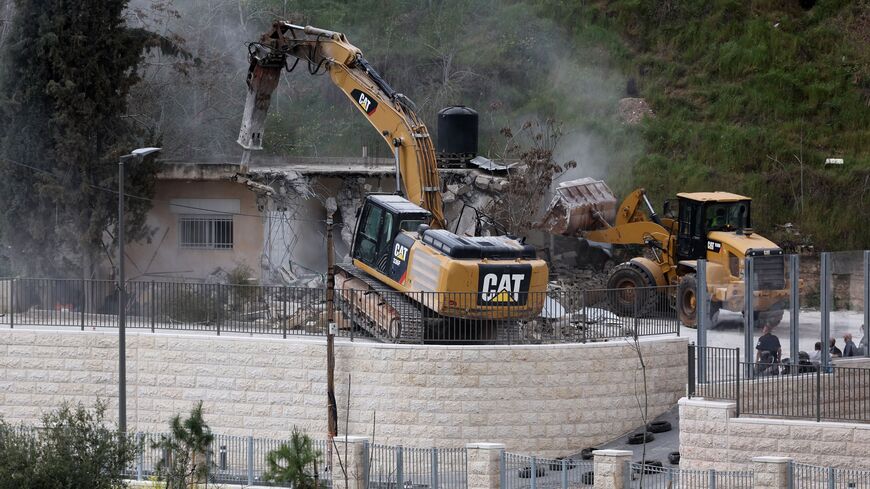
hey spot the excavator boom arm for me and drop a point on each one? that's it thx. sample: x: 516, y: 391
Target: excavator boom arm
x: 387, y: 110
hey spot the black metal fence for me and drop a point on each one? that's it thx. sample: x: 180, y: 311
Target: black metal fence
x: 563, y: 316
x: 780, y: 390
x: 713, y: 372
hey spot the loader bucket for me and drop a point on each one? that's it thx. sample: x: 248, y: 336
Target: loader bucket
x: 580, y: 205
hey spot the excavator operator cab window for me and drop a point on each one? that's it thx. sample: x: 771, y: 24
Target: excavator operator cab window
x: 366, y: 246
x: 377, y: 229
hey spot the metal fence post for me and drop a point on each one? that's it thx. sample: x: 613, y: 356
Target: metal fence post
x: 866, y: 299
x: 286, y: 316
x: 748, y: 314
x: 12, y: 304
x: 153, y: 305
x: 702, y: 304
x: 533, y: 481
x: 502, y: 470
x: 564, y: 474
x: 691, y: 371
x: 819, y: 390
x: 219, y: 293
x: 434, y: 483
x: 583, y: 313
x: 84, y: 298
x: 250, y: 460
x: 140, y: 460
x: 790, y: 475
x: 795, y: 312
x: 832, y: 481
x: 825, y: 303
x: 400, y: 473
x: 367, y: 469
x: 739, y: 394
x: 351, y: 311
x: 712, y: 478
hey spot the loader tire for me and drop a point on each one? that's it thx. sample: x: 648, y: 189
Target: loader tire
x: 631, y: 290
x: 687, y: 300
x: 772, y: 317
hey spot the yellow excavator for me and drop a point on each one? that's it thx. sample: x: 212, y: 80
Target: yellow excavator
x: 400, y: 244
x: 715, y: 226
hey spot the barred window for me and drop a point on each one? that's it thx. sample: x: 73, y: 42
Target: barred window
x: 209, y: 232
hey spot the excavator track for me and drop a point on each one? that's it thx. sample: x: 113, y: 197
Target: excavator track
x: 409, y: 322
x: 409, y: 314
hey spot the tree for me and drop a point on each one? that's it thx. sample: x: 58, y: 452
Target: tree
x: 294, y: 463
x: 73, y: 449
x: 518, y: 205
x: 186, y: 448
x: 67, y: 70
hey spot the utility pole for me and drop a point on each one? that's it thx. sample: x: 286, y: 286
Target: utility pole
x: 122, y: 292
x: 332, y: 410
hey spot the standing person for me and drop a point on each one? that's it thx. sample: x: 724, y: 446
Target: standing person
x: 835, y: 352
x: 849, y: 350
x: 768, y: 342
x: 816, y: 356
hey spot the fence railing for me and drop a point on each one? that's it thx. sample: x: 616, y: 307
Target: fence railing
x: 649, y: 476
x: 832, y: 393
x: 713, y: 372
x: 804, y: 476
x: 563, y: 316
x: 230, y: 459
x: 524, y: 472
x: 414, y: 468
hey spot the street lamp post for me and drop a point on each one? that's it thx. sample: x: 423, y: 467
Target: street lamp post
x: 122, y: 291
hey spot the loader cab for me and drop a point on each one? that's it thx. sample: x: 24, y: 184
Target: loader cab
x: 382, y: 218
x: 703, y: 212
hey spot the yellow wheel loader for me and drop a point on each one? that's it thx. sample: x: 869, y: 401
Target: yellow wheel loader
x: 422, y: 277
x: 715, y: 226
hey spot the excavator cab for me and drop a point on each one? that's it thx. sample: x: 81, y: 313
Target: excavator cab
x: 703, y: 212
x: 382, y: 218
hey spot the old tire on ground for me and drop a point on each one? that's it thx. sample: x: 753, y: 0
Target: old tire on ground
x: 586, y: 453
x: 659, y: 426
x: 687, y: 300
x: 638, y: 438
x: 631, y: 290
x: 588, y: 478
x: 674, y: 458
x: 526, y: 472
x: 651, y: 467
x: 556, y: 464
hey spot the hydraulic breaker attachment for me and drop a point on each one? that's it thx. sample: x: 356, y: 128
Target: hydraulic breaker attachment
x: 263, y: 76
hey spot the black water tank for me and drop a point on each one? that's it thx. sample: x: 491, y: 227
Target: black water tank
x: 457, y: 133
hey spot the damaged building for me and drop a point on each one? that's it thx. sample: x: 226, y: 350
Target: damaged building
x: 213, y: 219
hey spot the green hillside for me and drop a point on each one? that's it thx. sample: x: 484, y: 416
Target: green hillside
x: 753, y: 97
x: 750, y: 97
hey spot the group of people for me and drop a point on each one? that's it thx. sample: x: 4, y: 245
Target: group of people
x: 768, y: 351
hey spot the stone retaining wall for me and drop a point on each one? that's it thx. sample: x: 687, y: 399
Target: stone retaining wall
x: 545, y: 399
x: 711, y: 437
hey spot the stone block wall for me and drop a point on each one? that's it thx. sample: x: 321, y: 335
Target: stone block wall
x: 544, y: 399
x: 711, y: 437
